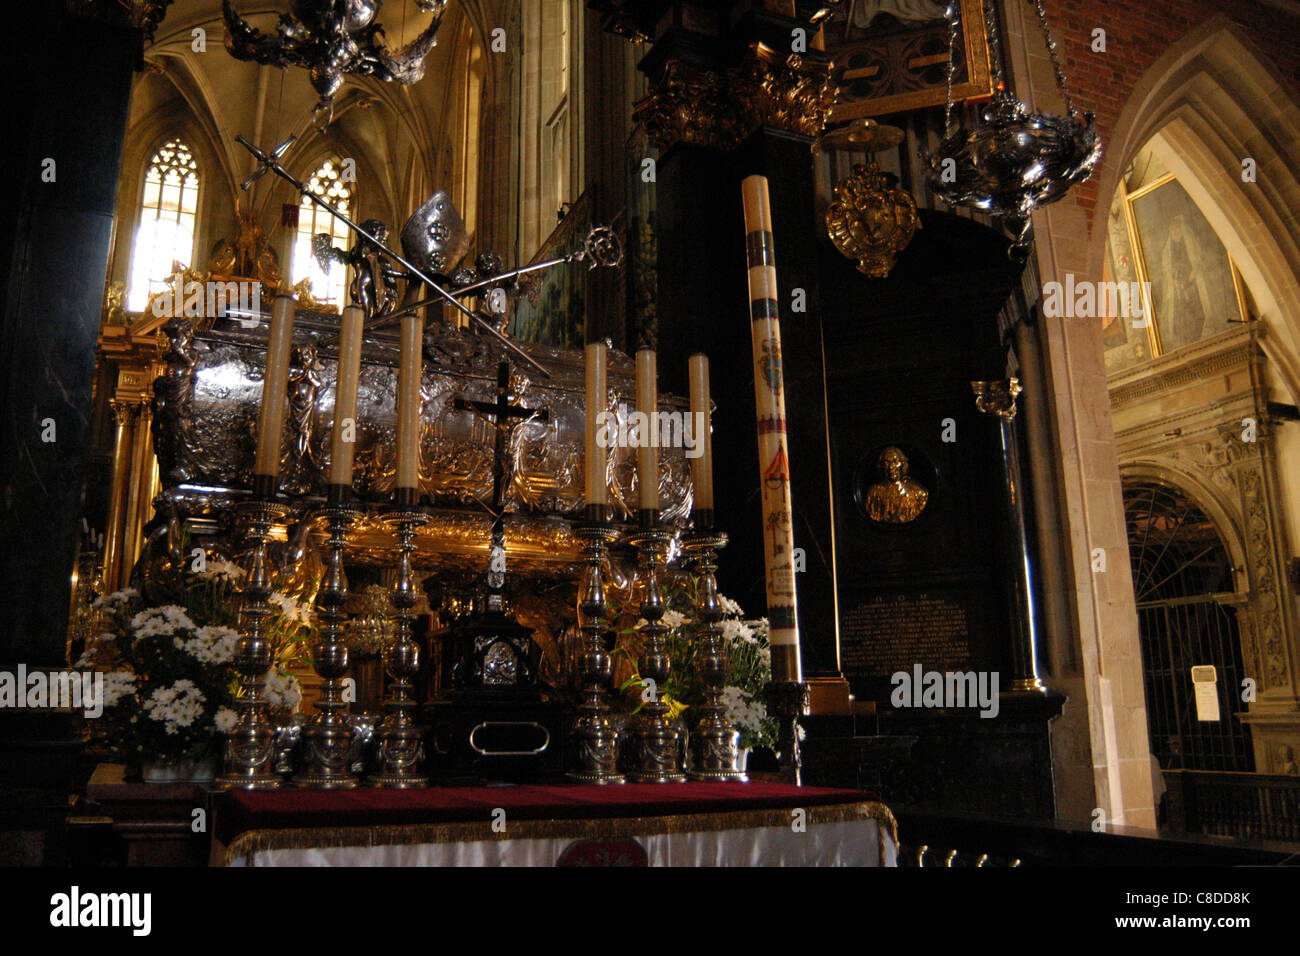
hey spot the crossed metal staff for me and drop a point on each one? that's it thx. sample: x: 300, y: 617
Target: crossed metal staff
x: 270, y: 162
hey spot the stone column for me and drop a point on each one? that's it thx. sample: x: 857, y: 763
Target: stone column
x: 124, y: 413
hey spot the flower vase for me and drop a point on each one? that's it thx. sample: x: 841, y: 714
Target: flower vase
x: 179, y: 771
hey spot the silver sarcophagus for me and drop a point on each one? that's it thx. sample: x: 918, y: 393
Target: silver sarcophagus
x: 206, y: 406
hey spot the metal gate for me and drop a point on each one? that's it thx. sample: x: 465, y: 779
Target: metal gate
x: 1182, y: 580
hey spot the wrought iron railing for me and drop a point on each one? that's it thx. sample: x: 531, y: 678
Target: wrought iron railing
x: 930, y: 838
x: 1246, y: 805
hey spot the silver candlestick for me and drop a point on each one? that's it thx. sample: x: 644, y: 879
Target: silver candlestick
x: 656, y: 742
x: 327, y: 738
x: 715, y: 744
x: 250, y: 747
x: 400, y: 744
x: 595, y: 740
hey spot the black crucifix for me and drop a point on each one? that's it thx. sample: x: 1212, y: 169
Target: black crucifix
x: 504, y: 416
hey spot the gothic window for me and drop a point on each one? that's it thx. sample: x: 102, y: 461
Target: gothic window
x: 328, y: 183
x: 168, y: 211
x: 1182, y: 579
x: 551, y: 117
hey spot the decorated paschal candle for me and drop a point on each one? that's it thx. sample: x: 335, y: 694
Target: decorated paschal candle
x: 773, y: 460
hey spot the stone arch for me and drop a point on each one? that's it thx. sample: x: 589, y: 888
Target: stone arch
x: 1217, y: 508
x: 1210, y: 101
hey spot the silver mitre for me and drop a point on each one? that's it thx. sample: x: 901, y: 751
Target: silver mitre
x: 434, y: 238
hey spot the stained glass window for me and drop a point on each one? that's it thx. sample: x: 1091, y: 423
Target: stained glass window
x: 168, y: 212
x: 328, y: 183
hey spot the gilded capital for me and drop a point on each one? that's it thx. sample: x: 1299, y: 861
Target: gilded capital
x: 720, y: 109
x: 998, y: 397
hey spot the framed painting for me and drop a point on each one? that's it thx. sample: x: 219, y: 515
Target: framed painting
x: 1195, y: 289
x: 891, y: 56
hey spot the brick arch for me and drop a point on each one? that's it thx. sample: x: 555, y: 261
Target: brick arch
x: 1208, y: 102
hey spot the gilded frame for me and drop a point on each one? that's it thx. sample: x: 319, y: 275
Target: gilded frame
x: 978, y: 84
x: 1144, y: 277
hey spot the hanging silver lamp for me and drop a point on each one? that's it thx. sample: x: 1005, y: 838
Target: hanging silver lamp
x: 1018, y: 159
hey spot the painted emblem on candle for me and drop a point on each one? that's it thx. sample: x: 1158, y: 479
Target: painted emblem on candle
x: 769, y: 364
x: 778, y: 472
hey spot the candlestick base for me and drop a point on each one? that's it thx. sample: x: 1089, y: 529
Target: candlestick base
x: 715, y: 744
x: 327, y: 737
x: 594, y: 738
x: 656, y: 743
x: 401, y: 744
x: 250, y: 747
x: 788, y: 701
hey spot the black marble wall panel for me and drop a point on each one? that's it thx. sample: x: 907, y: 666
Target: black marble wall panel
x: 75, y: 90
x: 703, y: 305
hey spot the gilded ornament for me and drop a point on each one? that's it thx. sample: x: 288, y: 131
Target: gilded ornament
x: 870, y: 221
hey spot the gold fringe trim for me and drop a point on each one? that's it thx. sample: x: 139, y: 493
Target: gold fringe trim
x: 251, y: 842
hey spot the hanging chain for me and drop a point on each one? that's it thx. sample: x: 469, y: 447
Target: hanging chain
x: 1056, y: 63
x: 951, y: 14
x: 995, y: 41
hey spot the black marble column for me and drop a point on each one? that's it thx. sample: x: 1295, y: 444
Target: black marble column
x: 66, y: 102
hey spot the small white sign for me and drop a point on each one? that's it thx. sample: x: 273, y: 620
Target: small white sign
x: 1206, y: 688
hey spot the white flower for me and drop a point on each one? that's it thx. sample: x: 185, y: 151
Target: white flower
x: 156, y: 621
x: 282, y: 690
x: 211, y: 645
x: 225, y: 719
x: 735, y: 632
x: 673, y: 619
x: 729, y: 606
x: 294, y: 610
x: 108, y: 602
x: 117, y: 685
x: 176, y: 706
x: 221, y: 568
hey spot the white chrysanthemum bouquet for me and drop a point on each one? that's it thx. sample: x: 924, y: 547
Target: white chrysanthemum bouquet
x: 749, y: 662
x: 169, y: 650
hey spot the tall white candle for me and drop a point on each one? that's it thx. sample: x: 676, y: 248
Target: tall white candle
x: 702, y: 418
x: 343, y: 438
x: 270, y: 420
x: 597, y: 389
x: 647, y: 454
x: 773, y: 460
x: 408, y: 402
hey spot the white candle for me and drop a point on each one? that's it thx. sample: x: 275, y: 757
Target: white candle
x: 597, y: 388
x: 270, y: 420
x: 773, y: 461
x: 702, y: 419
x: 647, y: 454
x: 343, y: 439
x: 408, y: 403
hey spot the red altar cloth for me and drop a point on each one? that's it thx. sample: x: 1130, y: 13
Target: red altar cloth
x: 239, y: 811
